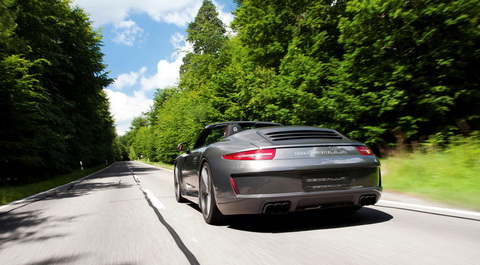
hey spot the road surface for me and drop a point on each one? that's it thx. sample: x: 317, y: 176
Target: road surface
x: 127, y: 214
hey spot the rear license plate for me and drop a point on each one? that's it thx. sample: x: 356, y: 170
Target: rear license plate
x: 324, y: 181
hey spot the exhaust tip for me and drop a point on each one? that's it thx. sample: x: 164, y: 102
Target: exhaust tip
x: 285, y: 207
x: 276, y: 207
x: 368, y: 200
x: 268, y: 209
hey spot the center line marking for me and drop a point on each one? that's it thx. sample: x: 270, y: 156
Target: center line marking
x: 156, y: 202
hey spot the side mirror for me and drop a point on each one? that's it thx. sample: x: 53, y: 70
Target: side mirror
x: 183, y: 147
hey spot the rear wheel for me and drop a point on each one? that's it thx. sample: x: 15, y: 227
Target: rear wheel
x: 177, y: 184
x: 207, y: 202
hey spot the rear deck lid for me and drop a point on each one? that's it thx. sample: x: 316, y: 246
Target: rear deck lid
x: 301, y: 135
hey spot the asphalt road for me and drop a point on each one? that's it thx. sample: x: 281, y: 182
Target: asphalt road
x: 127, y: 214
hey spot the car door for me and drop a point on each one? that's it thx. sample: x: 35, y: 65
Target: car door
x: 190, y: 171
x: 193, y: 161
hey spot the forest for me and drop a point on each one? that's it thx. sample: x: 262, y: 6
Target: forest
x: 391, y: 73
x: 54, y: 113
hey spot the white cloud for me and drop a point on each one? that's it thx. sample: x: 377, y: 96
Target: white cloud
x: 167, y: 75
x: 178, y: 12
x: 127, y: 32
x: 180, y: 45
x: 178, y: 41
x: 124, y: 108
x: 129, y: 79
x: 226, y: 17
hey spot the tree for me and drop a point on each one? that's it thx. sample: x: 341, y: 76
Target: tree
x: 265, y: 28
x: 410, y: 66
x: 54, y: 110
x: 22, y: 102
x: 206, y: 32
x: 384, y: 72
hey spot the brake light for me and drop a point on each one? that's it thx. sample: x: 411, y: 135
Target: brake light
x: 364, y: 150
x: 261, y: 154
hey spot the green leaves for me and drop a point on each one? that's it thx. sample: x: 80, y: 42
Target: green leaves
x: 206, y: 32
x: 53, y: 109
x: 387, y: 72
x: 404, y: 53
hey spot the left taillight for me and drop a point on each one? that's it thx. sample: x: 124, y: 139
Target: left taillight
x: 364, y: 150
x: 261, y: 154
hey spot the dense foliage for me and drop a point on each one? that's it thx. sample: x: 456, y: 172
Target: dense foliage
x: 387, y: 72
x: 53, y: 110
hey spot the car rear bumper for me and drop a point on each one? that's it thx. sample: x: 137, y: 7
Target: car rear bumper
x: 297, y: 201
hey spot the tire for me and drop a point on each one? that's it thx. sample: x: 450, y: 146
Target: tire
x: 177, y: 185
x: 206, y: 197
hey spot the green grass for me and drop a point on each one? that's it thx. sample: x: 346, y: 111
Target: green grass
x: 451, y: 176
x: 157, y: 164
x: 9, y: 194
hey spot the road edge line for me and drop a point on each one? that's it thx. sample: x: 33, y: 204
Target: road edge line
x: 45, y: 194
x: 434, y: 209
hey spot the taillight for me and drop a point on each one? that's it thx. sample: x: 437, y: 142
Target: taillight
x: 261, y: 154
x: 364, y: 150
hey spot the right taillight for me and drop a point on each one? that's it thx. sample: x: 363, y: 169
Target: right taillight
x: 364, y: 150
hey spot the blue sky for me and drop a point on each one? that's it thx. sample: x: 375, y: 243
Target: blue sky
x: 144, y: 43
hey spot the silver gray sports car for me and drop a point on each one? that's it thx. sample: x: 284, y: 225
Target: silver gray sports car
x: 261, y: 167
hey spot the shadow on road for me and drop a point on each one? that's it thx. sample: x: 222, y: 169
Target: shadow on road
x: 24, y: 227
x: 86, y: 188
x: 21, y: 226
x: 113, y: 177
x: 140, y: 169
x: 58, y: 260
x: 304, y: 221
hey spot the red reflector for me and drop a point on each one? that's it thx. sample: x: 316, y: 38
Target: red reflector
x: 364, y: 150
x: 262, y: 154
x: 234, y: 186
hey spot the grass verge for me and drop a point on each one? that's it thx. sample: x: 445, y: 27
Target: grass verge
x: 157, y: 164
x: 451, y: 176
x: 10, y: 194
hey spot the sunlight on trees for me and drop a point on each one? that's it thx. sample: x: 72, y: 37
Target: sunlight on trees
x: 386, y: 72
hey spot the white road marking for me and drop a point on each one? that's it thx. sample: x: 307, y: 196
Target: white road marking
x: 136, y: 179
x: 156, y: 202
x: 428, y: 208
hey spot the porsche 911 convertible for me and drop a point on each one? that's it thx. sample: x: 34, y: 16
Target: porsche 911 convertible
x: 266, y: 168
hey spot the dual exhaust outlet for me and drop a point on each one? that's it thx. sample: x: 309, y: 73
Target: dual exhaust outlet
x: 284, y: 207
x: 276, y: 207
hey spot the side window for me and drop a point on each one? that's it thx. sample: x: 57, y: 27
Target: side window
x: 215, y: 135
